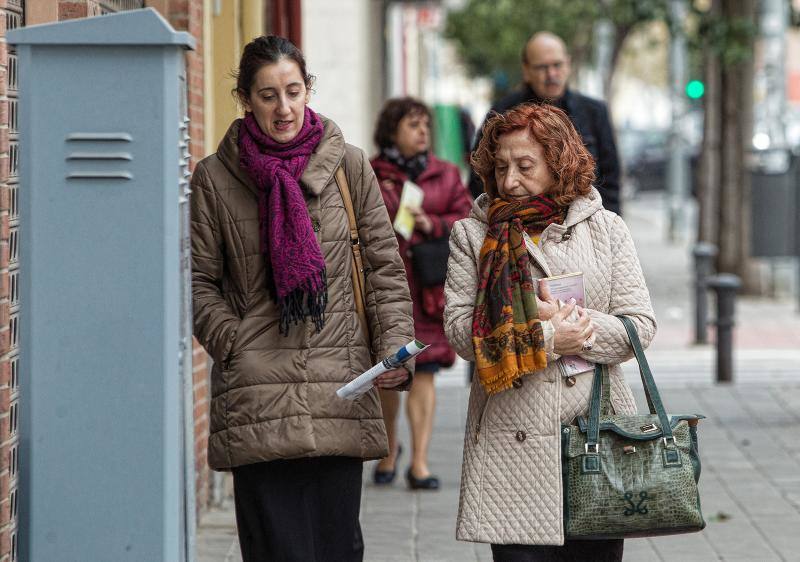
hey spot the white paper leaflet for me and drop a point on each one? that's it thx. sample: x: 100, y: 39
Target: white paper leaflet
x: 363, y: 382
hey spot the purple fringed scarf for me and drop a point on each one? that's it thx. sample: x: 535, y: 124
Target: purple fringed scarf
x: 288, y: 243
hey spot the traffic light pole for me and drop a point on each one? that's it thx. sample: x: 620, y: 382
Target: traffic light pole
x: 678, y: 169
x: 774, y: 16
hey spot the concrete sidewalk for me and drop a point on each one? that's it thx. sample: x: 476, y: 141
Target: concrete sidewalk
x: 749, y: 445
x: 750, y: 487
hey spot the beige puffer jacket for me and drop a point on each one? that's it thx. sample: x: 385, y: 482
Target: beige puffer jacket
x: 511, y: 475
x: 273, y: 397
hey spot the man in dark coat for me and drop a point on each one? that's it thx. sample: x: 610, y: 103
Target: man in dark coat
x: 545, y: 70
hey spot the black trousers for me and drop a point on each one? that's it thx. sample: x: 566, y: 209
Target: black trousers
x: 572, y: 551
x: 299, y: 510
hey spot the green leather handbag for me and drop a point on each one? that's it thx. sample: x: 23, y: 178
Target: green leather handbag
x: 630, y: 475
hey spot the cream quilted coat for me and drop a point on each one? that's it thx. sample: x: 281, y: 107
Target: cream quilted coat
x: 511, y: 475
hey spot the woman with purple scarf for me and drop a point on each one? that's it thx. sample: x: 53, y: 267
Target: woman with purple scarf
x: 274, y: 306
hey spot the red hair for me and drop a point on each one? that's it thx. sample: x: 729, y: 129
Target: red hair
x: 567, y: 158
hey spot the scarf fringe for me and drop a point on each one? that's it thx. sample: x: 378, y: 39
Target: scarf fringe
x: 309, y: 300
x: 503, y: 380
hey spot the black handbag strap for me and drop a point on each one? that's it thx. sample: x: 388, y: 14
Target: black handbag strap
x: 650, y: 388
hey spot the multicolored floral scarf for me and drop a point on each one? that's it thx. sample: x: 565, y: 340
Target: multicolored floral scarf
x: 506, y: 330
x: 294, y: 261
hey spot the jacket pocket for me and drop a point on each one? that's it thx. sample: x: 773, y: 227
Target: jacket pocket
x: 481, y: 425
x: 244, y: 334
x: 227, y: 351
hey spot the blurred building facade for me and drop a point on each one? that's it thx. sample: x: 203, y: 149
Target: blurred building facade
x: 365, y: 51
x: 227, y: 26
x: 793, y: 79
x: 343, y: 45
x: 420, y: 62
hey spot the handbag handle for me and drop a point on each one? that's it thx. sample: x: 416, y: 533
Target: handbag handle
x: 357, y: 269
x: 654, y: 402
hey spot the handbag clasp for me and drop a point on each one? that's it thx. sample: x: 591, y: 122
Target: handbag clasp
x: 650, y: 427
x: 596, y: 448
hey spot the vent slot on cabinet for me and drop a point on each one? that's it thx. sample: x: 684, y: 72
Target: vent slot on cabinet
x: 124, y: 137
x: 13, y: 211
x: 12, y: 72
x: 98, y: 156
x: 14, y: 374
x: 13, y: 120
x: 13, y: 246
x: 12, y: 20
x: 13, y: 325
x: 13, y: 159
x: 13, y: 461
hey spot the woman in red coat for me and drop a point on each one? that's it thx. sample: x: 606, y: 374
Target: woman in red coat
x: 403, y: 136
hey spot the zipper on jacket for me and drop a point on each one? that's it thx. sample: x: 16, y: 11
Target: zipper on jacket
x: 480, y: 420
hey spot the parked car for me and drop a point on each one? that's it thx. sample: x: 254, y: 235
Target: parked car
x: 645, y: 159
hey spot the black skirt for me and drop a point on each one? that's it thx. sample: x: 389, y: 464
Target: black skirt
x: 299, y: 510
x: 572, y: 551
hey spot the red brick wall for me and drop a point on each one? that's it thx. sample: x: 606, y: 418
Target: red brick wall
x: 10, y: 17
x: 74, y: 9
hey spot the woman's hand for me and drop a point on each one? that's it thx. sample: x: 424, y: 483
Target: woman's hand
x: 392, y: 379
x: 545, y: 302
x: 570, y: 336
x: 422, y: 222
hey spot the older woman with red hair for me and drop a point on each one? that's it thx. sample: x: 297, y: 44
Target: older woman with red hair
x: 539, y: 217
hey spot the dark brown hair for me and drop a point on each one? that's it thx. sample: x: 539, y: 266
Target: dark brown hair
x: 264, y: 50
x: 570, y: 163
x: 390, y: 116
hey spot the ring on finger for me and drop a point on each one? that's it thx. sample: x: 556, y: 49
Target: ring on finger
x: 587, y: 345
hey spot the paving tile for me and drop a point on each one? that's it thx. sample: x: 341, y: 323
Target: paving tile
x: 483, y: 552
x: 691, y: 546
x: 738, y: 537
x: 217, y: 535
x: 760, y: 503
x: 783, y: 534
x: 640, y: 550
x: 437, y: 550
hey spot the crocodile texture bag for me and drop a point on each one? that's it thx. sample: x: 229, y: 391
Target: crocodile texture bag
x: 630, y: 475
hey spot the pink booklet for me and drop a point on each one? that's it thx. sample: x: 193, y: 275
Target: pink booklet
x: 563, y: 288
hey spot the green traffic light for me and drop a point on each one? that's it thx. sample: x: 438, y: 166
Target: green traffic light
x: 695, y: 89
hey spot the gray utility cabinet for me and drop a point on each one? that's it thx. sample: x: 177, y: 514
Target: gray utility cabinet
x: 775, y: 208
x: 104, y: 289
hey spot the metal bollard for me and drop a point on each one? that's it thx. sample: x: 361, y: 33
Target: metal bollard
x: 726, y: 285
x: 704, y: 254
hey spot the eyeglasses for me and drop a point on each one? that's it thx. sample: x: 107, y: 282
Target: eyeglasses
x: 543, y: 68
